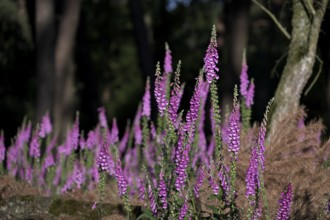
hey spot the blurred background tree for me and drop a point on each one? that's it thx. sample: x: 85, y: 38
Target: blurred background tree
x: 63, y: 56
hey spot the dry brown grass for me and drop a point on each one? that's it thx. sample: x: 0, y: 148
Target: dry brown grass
x: 292, y: 155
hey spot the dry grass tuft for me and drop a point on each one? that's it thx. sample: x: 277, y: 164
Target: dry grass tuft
x: 294, y: 154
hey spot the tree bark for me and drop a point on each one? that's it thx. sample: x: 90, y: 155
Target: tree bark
x: 300, y: 61
x: 64, y: 65
x: 45, y: 41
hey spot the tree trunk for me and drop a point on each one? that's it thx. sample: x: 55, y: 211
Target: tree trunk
x: 300, y: 61
x: 142, y: 39
x: 45, y: 41
x: 64, y: 65
x: 236, y: 20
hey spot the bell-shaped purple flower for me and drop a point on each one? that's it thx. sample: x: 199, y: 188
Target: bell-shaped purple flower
x: 75, y: 133
x: 176, y: 94
x: 45, y: 126
x: 152, y: 200
x: 234, y: 132
x: 192, y: 114
x: 168, y: 60
x: 121, y: 181
x: 103, y: 159
x: 146, y: 107
x: 224, y: 179
x: 102, y: 117
x: 162, y: 190
x: 199, y: 182
x: 183, y: 210
x: 244, y: 78
x: 114, y: 132
x: 283, y: 212
x: 160, y: 91
x: 252, y: 175
x: 137, y: 126
x: 142, y: 190
x: 211, y: 59
x: 250, y: 95
x: 35, y: 146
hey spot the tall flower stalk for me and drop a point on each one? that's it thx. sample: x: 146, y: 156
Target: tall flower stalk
x: 210, y: 69
x: 247, y: 93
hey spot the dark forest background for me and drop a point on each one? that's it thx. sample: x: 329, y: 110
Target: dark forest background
x: 64, y: 56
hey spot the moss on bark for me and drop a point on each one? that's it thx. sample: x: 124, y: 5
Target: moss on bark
x: 300, y: 61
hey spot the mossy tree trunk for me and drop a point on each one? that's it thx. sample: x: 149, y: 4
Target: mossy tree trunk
x: 306, y: 22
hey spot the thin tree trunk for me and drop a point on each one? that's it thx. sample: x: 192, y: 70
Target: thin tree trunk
x: 236, y: 20
x: 64, y: 65
x: 142, y: 39
x: 300, y: 61
x: 45, y: 41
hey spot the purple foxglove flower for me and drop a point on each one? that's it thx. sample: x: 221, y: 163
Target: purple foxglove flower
x: 234, y: 133
x: 68, y: 145
x: 103, y: 159
x: 23, y: 137
x: 213, y: 180
x: 35, y: 146
x: 94, y: 205
x: 250, y: 95
x: 49, y: 161
x: 257, y: 213
x: 201, y: 151
x: 244, y: 78
x: 91, y: 140
x: 181, y: 170
x: 211, y: 59
x: 179, y: 146
x: 168, y: 60
x: 214, y: 185
x: 75, y: 133
x: 160, y: 91
x: 124, y: 140
x: 2, y: 147
x: 142, y: 190
x: 199, y: 182
x: 183, y: 210
x: 121, y: 181
x: 68, y: 185
x: 285, y: 201
x: 162, y: 190
x: 252, y: 175
x: 146, y: 107
x: 152, y: 200
x: 102, y: 117
x: 192, y: 114
x: 137, y: 127
x: 328, y: 207
x: 79, y: 174
x: 224, y: 180
x: 45, y: 126
x: 114, y: 132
